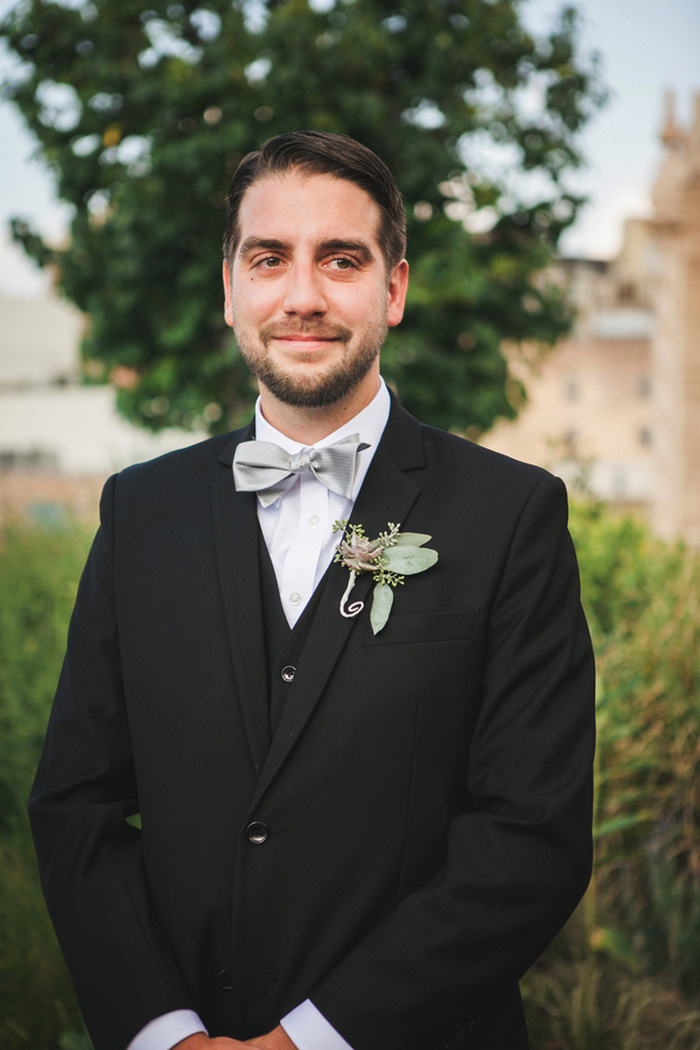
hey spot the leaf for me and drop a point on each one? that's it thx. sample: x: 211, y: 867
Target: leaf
x: 615, y: 944
x: 411, y: 539
x: 630, y: 820
x: 409, y: 560
x: 381, y: 606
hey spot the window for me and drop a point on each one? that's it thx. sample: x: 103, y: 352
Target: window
x: 572, y: 388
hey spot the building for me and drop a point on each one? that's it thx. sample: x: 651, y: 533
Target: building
x: 617, y: 403
x: 59, y: 439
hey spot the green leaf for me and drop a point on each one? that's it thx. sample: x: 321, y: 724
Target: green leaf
x: 381, y: 606
x: 616, y: 824
x: 409, y: 560
x: 412, y: 539
x: 615, y: 944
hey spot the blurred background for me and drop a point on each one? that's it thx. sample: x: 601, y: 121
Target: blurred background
x: 550, y: 162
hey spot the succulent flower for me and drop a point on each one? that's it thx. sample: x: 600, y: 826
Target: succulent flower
x: 359, y: 553
x: 390, y: 558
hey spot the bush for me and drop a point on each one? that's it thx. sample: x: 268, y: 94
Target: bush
x: 628, y: 964
x: 38, y: 578
x: 39, y: 572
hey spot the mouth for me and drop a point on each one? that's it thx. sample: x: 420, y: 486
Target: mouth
x: 305, y: 344
x: 305, y: 337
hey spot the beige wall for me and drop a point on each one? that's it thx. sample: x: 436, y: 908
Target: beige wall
x: 622, y: 394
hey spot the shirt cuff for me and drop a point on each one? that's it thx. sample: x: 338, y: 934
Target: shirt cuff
x: 162, y: 1033
x: 309, y: 1030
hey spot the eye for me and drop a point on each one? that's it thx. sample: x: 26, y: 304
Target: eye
x: 341, y: 262
x: 270, y: 262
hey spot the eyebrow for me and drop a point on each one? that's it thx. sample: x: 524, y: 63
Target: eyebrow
x: 360, y: 248
x: 254, y: 244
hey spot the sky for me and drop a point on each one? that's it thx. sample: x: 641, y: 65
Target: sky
x: 647, y: 47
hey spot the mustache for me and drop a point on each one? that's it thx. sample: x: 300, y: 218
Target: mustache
x: 317, y: 329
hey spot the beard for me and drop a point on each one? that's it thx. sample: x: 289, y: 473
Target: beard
x: 321, y: 389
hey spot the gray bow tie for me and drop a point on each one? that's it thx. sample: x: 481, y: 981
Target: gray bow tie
x: 265, y: 468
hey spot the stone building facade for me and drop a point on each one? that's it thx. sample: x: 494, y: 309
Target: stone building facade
x: 618, y: 401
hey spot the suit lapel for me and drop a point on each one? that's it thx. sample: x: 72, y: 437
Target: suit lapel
x: 237, y: 552
x: 386, y: 495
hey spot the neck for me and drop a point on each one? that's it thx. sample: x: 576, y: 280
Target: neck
x: 309, y: 425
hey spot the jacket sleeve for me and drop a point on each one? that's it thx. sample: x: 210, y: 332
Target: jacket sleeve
x: 519, y: 856
x: 90, y: 859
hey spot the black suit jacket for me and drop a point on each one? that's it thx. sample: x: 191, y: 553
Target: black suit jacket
x: 426, y: 797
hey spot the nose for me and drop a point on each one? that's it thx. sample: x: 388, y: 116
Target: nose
x: 303, y: 294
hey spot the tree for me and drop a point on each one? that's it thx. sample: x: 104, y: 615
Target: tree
x: 143, y: 109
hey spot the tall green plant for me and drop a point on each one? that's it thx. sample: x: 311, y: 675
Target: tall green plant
x: 38, y: 577
x: 649, y: 830
x: 625, y: 973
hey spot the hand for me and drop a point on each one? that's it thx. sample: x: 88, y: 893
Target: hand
x: 277, y: 1039
x: 201, y: 1041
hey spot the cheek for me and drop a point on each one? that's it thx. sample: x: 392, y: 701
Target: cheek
x: 251, y: 303
x: 363, y: 310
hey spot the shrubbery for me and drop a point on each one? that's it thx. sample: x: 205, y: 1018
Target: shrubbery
x: 624, y: 973
x: 38, y: 577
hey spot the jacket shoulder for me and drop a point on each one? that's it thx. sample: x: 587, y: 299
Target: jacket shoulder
x: 481, y: 468
x: 184, y: 465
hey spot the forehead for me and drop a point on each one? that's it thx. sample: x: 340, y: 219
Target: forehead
x: 299, y: 207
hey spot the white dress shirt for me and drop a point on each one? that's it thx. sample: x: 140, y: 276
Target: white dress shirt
x: 298, y: 527
x: 298, y: 532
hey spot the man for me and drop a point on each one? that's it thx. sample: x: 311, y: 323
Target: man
x: 368, y: 837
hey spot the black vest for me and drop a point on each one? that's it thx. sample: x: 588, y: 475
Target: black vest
x: 284, y: 645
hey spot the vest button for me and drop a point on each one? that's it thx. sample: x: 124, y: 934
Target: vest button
x: 257, y: 832
x: 287, y: 673
x: 224, y: 979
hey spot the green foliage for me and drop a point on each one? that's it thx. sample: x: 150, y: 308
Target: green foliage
x: 37, y: 1002
x: 625, y: 973
x: 579, y: 999
x: 38, y: 578
x: 144, y: 109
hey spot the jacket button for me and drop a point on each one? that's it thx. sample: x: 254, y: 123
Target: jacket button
x: 257, y: 832
x: 224, y: 979
x: 288, y: 673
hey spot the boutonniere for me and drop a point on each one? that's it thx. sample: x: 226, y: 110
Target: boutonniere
x: 391, y: 557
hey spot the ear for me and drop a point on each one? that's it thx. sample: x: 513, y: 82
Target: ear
x: 396, y: 293
x: 228, y: 299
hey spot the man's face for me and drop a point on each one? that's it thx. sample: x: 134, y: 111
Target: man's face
x: 307, y: 291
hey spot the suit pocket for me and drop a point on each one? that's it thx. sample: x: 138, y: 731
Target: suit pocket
x: 425, y: 627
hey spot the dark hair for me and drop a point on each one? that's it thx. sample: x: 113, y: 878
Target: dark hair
x: 324, y: 153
